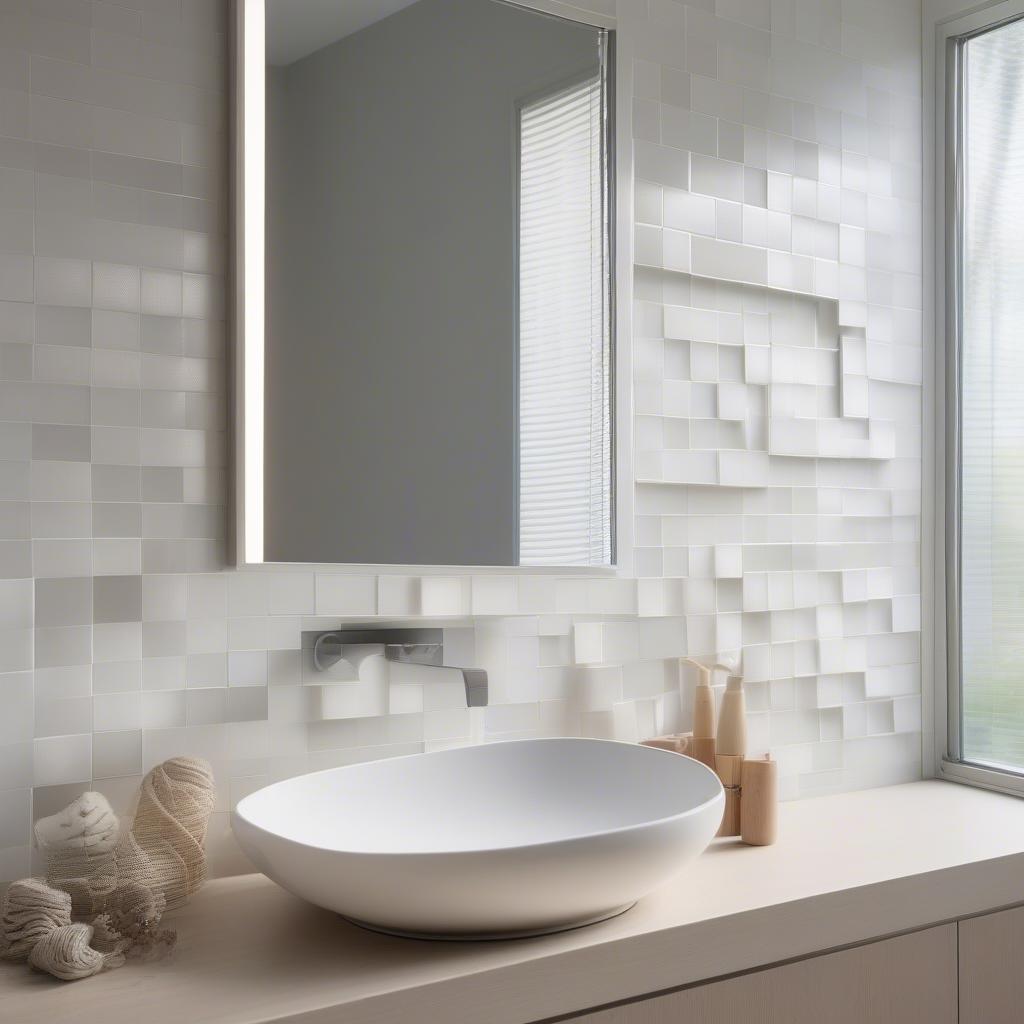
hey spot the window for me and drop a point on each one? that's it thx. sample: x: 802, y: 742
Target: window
x: 984, y: 293
x: 565, y: 433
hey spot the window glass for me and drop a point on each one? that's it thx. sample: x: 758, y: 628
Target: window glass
x: 991, y: 268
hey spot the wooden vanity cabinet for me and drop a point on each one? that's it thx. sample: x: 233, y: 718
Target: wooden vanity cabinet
x: 992, y: 968
x: 909, y: 979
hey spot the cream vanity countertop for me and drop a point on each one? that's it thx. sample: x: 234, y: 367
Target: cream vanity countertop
x: 847, y: 868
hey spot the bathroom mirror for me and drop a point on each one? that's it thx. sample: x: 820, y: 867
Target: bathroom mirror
x: 425, y: 285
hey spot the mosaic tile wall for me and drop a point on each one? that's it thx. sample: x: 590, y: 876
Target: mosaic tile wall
x: 777, y: 344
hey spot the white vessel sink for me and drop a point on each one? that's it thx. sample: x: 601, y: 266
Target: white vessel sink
x: 493, y: 841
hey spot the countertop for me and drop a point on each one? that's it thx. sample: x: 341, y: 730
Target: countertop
x: 846, y: 869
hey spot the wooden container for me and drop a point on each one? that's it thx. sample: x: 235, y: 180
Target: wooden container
x: 678, y: 743
x: 731, y: 818
x: 703, y: 749
x: 759, y: 809
x: 730, y: 770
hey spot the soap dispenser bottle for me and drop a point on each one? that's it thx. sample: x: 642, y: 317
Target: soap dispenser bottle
x: 730, y: 749
x: 702, y: 746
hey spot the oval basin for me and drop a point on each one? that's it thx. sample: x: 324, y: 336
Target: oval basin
x: 499, y: 840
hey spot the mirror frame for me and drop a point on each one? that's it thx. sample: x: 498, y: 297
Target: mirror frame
x: 248, y: 178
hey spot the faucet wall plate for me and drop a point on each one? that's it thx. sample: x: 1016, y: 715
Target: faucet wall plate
x: 413, y: 646
x: 327, y: 650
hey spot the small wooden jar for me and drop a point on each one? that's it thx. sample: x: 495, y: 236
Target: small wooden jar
x: 759, y: 815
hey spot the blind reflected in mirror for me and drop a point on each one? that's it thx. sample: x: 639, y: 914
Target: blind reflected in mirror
x: 565, y: 445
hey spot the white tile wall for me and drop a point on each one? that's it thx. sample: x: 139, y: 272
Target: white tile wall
x: 777, y: 341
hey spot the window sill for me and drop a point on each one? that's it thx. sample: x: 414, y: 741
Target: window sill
x: 983, y: 778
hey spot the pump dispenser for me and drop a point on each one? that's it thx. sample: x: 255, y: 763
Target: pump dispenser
x: 702, y: 747
x: 732, y: 724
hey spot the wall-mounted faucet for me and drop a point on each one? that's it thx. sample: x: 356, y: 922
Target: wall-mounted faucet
x: 409, y: 646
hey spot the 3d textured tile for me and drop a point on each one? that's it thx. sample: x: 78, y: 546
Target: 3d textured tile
x: 777, y: 352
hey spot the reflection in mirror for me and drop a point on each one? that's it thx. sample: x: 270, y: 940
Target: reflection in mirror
x: 438, y: 342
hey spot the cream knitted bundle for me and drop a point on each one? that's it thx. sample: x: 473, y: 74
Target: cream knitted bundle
x: 66, y: 952
x: 31, y: 910
x: 170, y: 824
x: 78, y: 844
x: 106, y: 890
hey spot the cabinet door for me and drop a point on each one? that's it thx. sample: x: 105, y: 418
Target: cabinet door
x: 991, y: 957
x: 910, y: 979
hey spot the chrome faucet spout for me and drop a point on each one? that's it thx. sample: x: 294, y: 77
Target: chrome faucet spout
x: 476, y: 687
x: 431, y: 655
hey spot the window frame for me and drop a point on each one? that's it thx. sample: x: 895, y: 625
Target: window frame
x: 945, y: 32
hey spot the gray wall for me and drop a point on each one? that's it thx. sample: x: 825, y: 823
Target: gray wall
x: 391, y: 397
